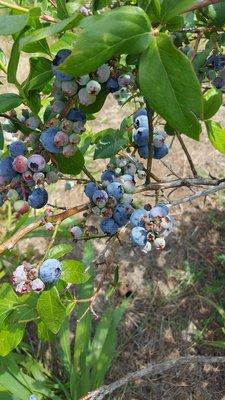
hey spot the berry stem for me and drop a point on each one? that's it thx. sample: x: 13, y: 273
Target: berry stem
x: 51, y: 241
x: 89, y: 175
x: 150, y: 144
x: 187, y: 154
x: 203, y: 3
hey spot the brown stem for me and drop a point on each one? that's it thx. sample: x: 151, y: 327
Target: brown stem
x: 197, y: 42
x: 150, y: 144
x: 203, y: 3
x: 187, y: 154
x: 151, y: 369
x: 10, y: 243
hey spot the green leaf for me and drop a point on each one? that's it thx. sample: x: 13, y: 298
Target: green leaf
x: 11, y: 384
x: 217, y: 13
x: 212, y: 100
x: 42, y: 33
x: 40, y: 73
x: 152, y: 9
x: 8, y: 299
x: 9, y: 101
x: 98, y: 4
x: 216, y: 135
x: 1, y: 138
x: 11, y: 335
x: 171, y: 8
x: 71, y: 165
x: 64, y: 340
x: 73, y: 271
x: 10, y: 24
x: 51, y: 309
x: 59, y: 251
x: 61, y: 9
x: 33, y: 100
x: 124, y: 30
x: 109, y: 142
x: 44, y: 334
x: 170, y: 86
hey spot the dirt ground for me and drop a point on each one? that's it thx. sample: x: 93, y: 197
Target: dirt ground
x: 168, y: 316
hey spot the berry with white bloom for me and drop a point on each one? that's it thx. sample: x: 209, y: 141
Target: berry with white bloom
x: 19, y: 275
x: 93, y: 87
x: 37, y: 285
x: 85, y: 98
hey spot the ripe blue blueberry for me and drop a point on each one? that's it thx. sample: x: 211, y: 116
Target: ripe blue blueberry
x: 6, y: 168
x: 160, y: 210
x: 90, y: 188
x: 137, y: 217
x: 36, y: 163
x: 50, y: 271
x: 47, y: 139
x: 218, y: 82
x: 38, y: 198
x: 1, y: 200
x: 141, y: 137
x: 59, y: 59
x: 17, y: 148
x: 76, y: 115
x: 141, y: 121
x: 122, y: 214
x: 139, y: 236
x: 112, y: 85
x: 140, y: 112
x: 143, y: 151
x: 107, y: 177
x: 76, y: 232
x: 100, y: 198
x: 160, y: 152
x: 109, y: 226
x: 115, y: 189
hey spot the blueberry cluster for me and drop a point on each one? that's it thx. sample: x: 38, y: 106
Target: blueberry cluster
x: 151, y: 227
x: 216, y: 69
x: 141, y: 137
x: 22, y: 178
x: 27, y: 278
x: 112, y: 199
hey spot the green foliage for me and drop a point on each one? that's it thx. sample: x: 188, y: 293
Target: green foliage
x: 59, y: 251
x: 212, y: 100
x: 72, y: 165
x: 109, y: 142
x: 130, y: 38
x: 51, y: 310
x: 9, y: 101
x: 171, y: 8
x: 73, y: 271
x: 161, y: 73
x: 216, y: 135
x: 10, y: 24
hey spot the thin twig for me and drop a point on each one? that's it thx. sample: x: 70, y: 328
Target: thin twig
x: 202, y: 4
x: 187, y: 154
x: 88, y: 173
x: 151, y: 369
x: 197, y: 42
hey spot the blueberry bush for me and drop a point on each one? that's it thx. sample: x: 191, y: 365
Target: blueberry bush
x: 164, y: 58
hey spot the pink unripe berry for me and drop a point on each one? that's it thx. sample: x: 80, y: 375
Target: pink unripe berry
x: 58, y: 106
x: 67, y: 126
x: 68, y: 150
x: 20, y: 164
x: 36, y: 163
x: 28, y: 177
x: 78, y: 127
x: 49, y: 226
x: 60, y: 139
x: 76, y: 232
x: 83, y: 80
x: 48, y: 213
x: 85, y: 98
x: 12, y: 195
x: 37, y: 285
x: 103, y: 73
x: 51, y: 177
x: 21, y: 206
x: 74, y: 138
x: 39, y: 178
x: 32, y: 122
x: 69, y: 88
x: 93, y: 87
